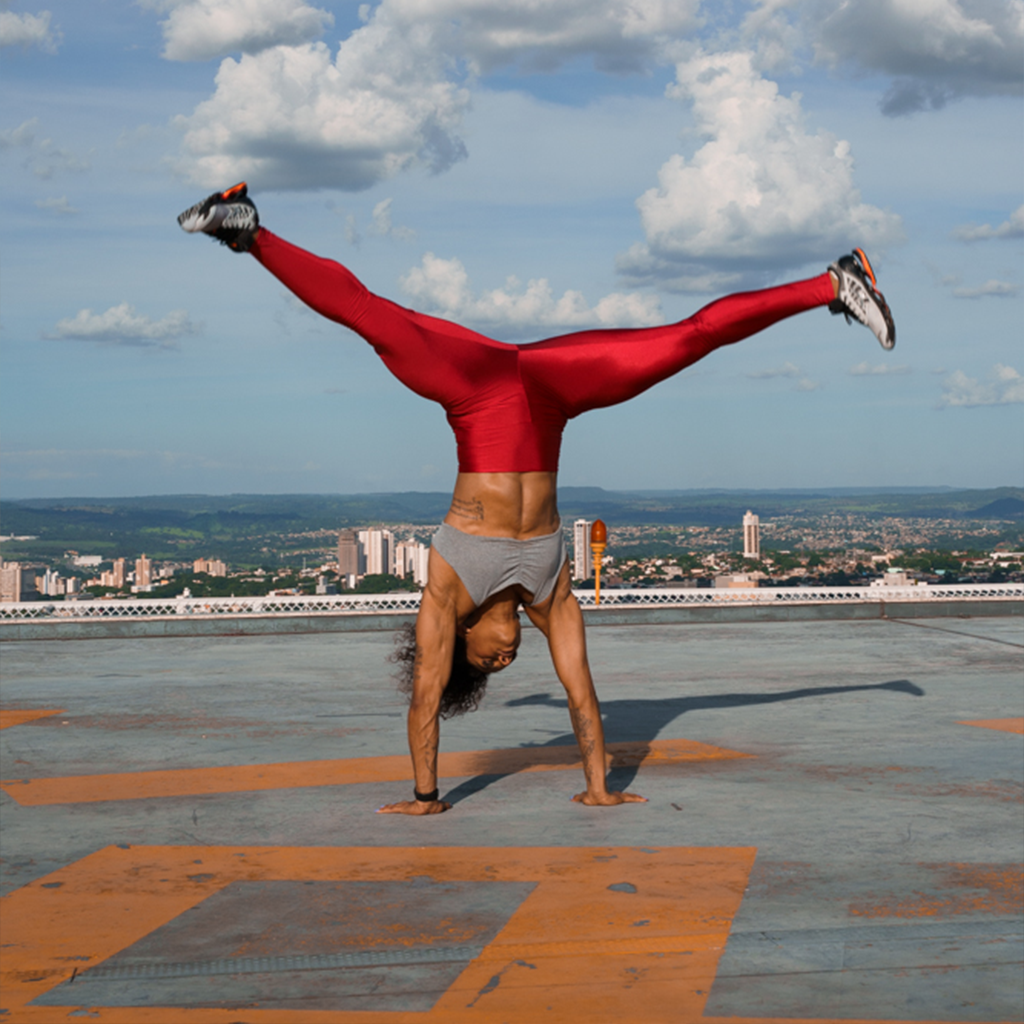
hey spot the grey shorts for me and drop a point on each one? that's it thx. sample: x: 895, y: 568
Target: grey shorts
x: 489, y: 564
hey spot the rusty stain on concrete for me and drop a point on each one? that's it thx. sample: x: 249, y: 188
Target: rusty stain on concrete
x: 959, y: 889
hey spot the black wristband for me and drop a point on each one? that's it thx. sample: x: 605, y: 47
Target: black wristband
x: 425, y: 798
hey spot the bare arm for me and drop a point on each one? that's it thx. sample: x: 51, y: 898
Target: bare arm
x: 561, y: 621
x: 435, y: 642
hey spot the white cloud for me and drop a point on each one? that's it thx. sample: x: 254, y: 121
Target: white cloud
x: 121, y: 325
x: 42, y: 157
x: 760, y: 197
x: 1013, y: 227
x: 443, y: 286
x: 786, y: 370
x: 621, y: 35
x: 28, y: 30
x: 1007, y: 388
x: 293, y: 118
x: 991, y: 288
x: 382, y: 224
x: 881, y: 370
x: 938, y: 50
x: 58, y: 205
x: 21, y: 137
x: 999, y: 289
x: 204, y: 29
x: 773, y: 33
x: 393, y: 95
x: 790, y: 371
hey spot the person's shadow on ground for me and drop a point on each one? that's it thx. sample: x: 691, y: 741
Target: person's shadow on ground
x: 638, y: 720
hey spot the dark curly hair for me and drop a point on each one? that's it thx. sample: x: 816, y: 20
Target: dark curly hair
x: 466, y: 684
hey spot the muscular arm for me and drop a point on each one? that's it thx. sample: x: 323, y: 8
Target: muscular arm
x: 435, y: 641
x: 561, y: 621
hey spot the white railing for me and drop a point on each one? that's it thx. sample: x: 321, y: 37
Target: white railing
x: 380, y: 604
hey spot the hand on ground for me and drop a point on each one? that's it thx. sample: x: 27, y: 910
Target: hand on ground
x: 607, y: 799
x: 415, y: 807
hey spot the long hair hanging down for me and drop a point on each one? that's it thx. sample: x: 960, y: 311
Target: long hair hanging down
x: 466, y: 684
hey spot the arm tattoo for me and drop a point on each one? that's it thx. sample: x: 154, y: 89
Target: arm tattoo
x: 472, y: 509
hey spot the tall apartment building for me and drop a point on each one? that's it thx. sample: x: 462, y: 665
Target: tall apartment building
x: 582, y: 556
x: 751, y: 536
x: 50, y: 584
x: 211, y: 566
x: 379, y: 546
x: 411, y: 558
x: 10, y: 581
x: 351, y: 559
x: 143, y: 572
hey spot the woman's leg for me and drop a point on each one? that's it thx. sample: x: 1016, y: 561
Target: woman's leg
x: 437, y: 359
x: 594, y: 369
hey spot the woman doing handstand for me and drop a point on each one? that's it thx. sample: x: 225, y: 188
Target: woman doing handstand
x: 501, y: 545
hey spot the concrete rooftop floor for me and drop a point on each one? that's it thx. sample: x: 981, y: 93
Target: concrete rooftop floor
x: 188, y: 832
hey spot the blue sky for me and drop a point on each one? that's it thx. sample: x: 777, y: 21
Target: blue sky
x: 525, y: 167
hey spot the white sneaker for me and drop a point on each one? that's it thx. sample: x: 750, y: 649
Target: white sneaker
x: 860, y: 298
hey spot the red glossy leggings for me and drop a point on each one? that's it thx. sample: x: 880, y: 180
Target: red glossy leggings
x: 509, y: 403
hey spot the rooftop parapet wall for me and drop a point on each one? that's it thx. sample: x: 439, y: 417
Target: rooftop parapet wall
x: 38, y: 620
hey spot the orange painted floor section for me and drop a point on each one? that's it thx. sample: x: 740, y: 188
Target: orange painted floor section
x: 1002, y: 724
x: 566, y: 938
x: 19, y: 716
x: 77, y: 789
x: 587, y: 963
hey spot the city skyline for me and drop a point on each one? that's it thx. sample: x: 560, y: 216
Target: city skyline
x: 609, y: 163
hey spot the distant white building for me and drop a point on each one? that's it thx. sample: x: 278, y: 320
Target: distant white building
x: 751, y: 536
x: 893, y: 578
x: 379, y: 546
x: 50, y: 584
x: 411, y: 559
x: 582, y: 556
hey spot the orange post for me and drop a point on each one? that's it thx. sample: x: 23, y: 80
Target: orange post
x: 598, y: 542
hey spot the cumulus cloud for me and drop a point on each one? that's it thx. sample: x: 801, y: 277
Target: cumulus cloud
x: 301, y: 116
x: 28, y: 30
x: 58, y: 205
x: 443, y: 286
x: 938, y: 50
x: 294, y: 118
x: 1005, y: 388
x: 761, y: 196
x: 121, y: 325
x: 203, y: 29
x: 42, y: 156
x: 621, y: 35
x: 881, y: 370
x: 1013, y: 227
